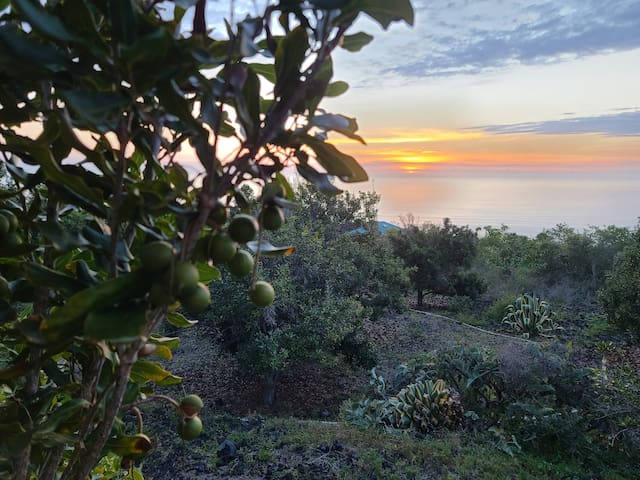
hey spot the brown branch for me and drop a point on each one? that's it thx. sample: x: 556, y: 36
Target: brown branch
x: 199, y: 21
x: 85, y: 456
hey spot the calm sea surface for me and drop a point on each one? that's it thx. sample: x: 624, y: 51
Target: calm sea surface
x: 526, y: 202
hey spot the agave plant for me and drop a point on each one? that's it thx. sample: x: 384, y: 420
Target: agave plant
x: 424, y: 406
x: 530, y: 316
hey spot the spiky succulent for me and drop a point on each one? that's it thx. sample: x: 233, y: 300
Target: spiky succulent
x: 424, y: 406
x: 530, y: 316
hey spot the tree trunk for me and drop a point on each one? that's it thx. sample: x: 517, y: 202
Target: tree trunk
x: 420, y: 297
x: 269, y: 388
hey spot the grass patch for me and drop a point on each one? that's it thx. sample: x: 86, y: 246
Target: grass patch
x: 280, y: 448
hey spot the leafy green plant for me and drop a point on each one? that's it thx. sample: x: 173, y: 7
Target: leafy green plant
x: 101, y: 100
x: 424, y: 406
x: 620, y: 297
x: 530, y: 316
x: 473, y: 372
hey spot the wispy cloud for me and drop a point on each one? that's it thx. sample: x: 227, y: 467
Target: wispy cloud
x: 462, y: 36
x: 622, y: 124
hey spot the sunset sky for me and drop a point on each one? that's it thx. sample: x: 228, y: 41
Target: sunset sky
x: 482, y: 97
x: 495, y: 84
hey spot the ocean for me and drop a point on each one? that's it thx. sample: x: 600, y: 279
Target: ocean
x: 526, y: 201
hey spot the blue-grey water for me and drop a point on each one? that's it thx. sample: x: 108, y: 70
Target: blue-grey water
x: 527, y: 202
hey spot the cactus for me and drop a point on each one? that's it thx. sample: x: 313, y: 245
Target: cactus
x: 530, y: 316
x: 424, y: 406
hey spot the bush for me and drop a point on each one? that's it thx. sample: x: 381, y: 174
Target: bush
x: 531, y: 375
x: 495, y: 312
x: 620, y: 296
x: 469, y: 284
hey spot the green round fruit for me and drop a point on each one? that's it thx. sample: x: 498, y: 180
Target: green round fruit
x: 5, y: 226
x: 222, y: 248
x: 272, y: 217
x: 196, y: 299
x: 271, y: 191
x: 190, y: 428
x: 243, y: 228
x: 13, y: 240
x: 185, y: 277
x: 219, y: 214
x: 11, y: 218
x: 159, y: 295
x: 241, y: 264
x: 157, y: 256
x: 262, y: 294
x: 191, y: 405
x: 5, y: 291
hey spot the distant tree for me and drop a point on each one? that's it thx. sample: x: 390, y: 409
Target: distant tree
x: 620, y: 296
x: 562, y: 254
x: 333, y: 282
x: 436, y: 255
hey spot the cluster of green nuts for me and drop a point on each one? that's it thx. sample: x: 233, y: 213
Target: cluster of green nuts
x: 223, y: 247
x: 190, y: 424
x: 173, y: 279
x: 9, y: 236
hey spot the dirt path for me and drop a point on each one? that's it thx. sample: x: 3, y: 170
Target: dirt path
x: 401, y: 337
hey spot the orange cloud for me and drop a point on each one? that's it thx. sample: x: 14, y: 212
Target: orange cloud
x: 417, y: 150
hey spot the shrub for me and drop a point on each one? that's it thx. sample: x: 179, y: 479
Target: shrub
x: 494, y: 313
x: 620, y: 296
x: 531, y: 375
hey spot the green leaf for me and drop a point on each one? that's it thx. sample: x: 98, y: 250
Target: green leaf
x: 178, y: 320
x: 269, y: 250
x: 72, y: 183
x: 170, y: 342
x: 69, y: 409
x: 357, y: 41
x: 23, y: 47
x: 29, y: 180
x: 329, y: 4
x: 265, y: 70
x: 41, y: 276
x: 290, y: 54
x: 149, y: 48
x: 124, y: 20
x: 106, y: 294
x: 98, y: 109
x: 119, y: 325
x: 288, y: 189
x: 61, y: 239
x: 208, y: 273
x: 385, y: 12
x: 320, y: 180
x: 335, y: 89
x: 335, y: 162
x: 174, y: 102
x: 42, y: 21
x: 248, y: 105
x: 338, y: 123
x: 145, y: 371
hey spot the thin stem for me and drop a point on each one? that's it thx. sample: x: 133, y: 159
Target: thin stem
x: 152, y: 398
x: 138, y: 415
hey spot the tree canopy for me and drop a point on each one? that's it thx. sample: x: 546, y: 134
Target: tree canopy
x: 106, y: 232
x: 437, y: 255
